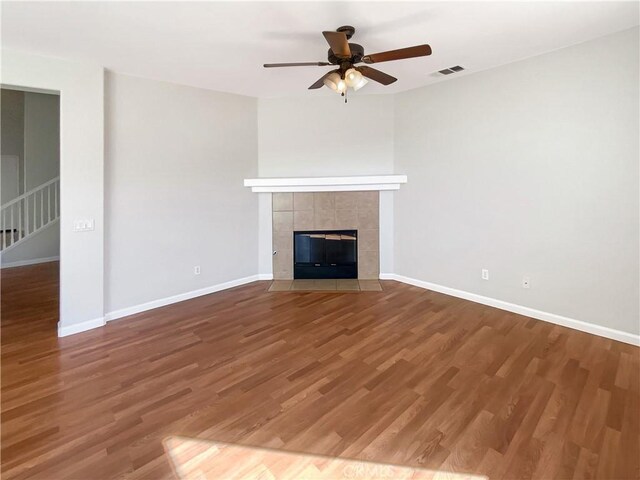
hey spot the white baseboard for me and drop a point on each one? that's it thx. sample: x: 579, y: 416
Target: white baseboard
x: 23, y: 263
x: 64, y: 331
x: 492, y: 302
x: 592, y: 328
x: 143, y: 307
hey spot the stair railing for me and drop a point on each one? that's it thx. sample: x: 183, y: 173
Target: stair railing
x: 29, y: 213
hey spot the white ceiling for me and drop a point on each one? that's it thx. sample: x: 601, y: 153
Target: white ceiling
x: 222, y: 45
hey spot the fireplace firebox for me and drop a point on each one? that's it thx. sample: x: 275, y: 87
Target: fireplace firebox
x: 325, y: 254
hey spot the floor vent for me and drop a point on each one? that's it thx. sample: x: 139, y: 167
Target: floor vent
x: 450, y: 70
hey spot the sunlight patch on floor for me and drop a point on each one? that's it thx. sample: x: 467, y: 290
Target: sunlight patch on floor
x: 196, y: 459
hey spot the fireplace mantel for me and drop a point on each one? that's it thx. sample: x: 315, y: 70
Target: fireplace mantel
x: 326, y: 184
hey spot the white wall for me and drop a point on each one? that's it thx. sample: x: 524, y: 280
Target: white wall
x: 530, y: 169
x: 176, y: 158
x: 41, y: 138
x: 10, y: 178
x: 81, y: 170
x: 265, y: 235
x: 323, y: 136
x: 12, y: 143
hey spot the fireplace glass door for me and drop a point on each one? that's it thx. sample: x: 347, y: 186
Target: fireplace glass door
x: 325, y: 254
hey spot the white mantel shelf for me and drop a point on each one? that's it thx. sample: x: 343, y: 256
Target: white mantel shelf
x: 326, y: 184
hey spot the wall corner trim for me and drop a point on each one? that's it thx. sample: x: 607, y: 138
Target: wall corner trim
x: 66, y: 330
x: 265, y: 276
x: 592, y: 328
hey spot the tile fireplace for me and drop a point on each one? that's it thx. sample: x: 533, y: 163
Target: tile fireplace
x: 328, y: 212
x: 362, y: 202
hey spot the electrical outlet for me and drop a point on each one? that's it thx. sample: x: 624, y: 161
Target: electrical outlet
x: 196, y: 270
x: 485, y: 274
x: 526, y: 282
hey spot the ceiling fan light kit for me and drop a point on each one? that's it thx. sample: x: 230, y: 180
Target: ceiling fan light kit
x: 360, y: 84
x: 353, y: 78
x: 347, y: 55
x: 335, y: 82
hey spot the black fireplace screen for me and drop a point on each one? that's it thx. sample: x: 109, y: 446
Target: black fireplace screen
x: 325, y: 254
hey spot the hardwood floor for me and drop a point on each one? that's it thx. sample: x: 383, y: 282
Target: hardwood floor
x: 403, y: 376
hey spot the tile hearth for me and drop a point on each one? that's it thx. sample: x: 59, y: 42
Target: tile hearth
x: 339, y: 285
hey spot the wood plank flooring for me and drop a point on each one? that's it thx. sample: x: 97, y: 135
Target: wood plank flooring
x: 200, y: 459
x: 404, y: 376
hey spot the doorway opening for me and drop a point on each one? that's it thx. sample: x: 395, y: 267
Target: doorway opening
x: 30, y: 200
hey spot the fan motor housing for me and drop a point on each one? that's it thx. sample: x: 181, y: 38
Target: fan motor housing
x: 348, y: 30
x: 357, y: 52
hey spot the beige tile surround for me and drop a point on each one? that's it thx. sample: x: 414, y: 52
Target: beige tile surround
x: 326, y: 211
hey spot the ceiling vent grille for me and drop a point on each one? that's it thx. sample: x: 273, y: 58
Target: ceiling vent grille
x: 450, y: 70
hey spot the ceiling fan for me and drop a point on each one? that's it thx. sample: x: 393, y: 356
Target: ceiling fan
x: 347, y: 55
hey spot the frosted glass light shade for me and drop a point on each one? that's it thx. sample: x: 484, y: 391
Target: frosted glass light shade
x: 363, y: 81
x: 332, y: 81
x: 352, y: 77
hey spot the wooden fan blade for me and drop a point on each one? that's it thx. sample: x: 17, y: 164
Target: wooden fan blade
x: 320, y: 82
x: 409, y: 52
x: 376, y: 75
x: 298, y: 64
x: 338, y: 43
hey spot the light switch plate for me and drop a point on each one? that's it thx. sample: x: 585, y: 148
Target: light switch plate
x: 83, y: 225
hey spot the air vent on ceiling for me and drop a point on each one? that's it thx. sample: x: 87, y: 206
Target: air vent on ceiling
x: 450, y: 70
